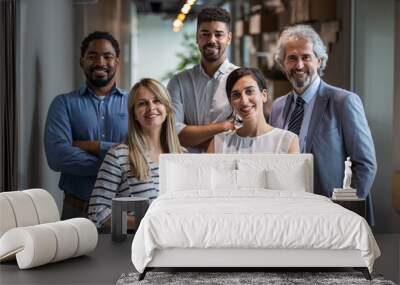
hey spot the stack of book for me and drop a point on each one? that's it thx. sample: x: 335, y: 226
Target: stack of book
x: 344, y: 194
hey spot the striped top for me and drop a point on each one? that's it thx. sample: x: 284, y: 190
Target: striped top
x: 115, y: 179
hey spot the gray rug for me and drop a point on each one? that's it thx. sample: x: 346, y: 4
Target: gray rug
x: 243, y: 278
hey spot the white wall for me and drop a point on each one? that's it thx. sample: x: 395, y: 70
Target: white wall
x: 158, y: 45
x: 374, y: 81
x: 44, y: 69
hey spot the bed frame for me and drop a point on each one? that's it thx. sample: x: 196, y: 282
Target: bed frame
x: 242, y: 259
x: 245, y: 258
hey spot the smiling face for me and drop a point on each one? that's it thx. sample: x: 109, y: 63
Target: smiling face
x: 300, y: 64
x: 247, y: 99
x: 212, y: 40
x: 148, y: 110
x: 100, y: 63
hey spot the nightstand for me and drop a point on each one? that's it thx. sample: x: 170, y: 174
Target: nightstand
x: 357, y: 205
x: 119, y: 209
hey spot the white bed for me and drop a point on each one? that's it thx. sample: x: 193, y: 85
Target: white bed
x: 247, y: 211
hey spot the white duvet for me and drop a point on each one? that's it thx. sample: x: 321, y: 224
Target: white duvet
x: 253, y: 218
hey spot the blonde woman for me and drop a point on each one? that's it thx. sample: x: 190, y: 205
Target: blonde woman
x: 247, y: 92
x: 131, y: 168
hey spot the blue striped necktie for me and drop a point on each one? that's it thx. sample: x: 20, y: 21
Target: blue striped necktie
x: 296, y: 119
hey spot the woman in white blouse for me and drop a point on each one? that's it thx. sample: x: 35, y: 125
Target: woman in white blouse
x: 247, y: 92
x: 131, y: 168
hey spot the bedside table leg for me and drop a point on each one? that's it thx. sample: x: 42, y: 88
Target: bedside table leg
x: 118, y: 221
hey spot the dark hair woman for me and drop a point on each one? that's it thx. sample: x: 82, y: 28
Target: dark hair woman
x: 246, y: 89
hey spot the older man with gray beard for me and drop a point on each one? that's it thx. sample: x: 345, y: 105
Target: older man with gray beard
x: 329, y: 121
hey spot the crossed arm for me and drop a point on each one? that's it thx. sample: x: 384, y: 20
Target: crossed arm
x: 92, y: 147
x: 193, y: 135
x: 81, y: 158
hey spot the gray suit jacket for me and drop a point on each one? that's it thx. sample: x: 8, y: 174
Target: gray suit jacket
x: 338, y: 128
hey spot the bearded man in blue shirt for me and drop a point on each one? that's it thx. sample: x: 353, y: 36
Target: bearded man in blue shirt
x: 83, y: 124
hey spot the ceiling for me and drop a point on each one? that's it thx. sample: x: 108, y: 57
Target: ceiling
x: 171, y: 8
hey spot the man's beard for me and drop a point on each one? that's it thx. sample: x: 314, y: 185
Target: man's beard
x: 299, y: 84
x: 211, y: 57
x: 99, y: 82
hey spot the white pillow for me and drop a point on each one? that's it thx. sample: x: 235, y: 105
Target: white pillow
x: 251, y: 178
x: 292, y: 179
x: 281, y: 174
x: 188, y: 177
x: 223, y: 179
x: 228, y: 179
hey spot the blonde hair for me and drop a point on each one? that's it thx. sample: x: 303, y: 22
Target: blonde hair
x: 136, y: 141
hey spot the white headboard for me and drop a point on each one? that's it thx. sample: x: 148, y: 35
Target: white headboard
x: 284, y: 171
